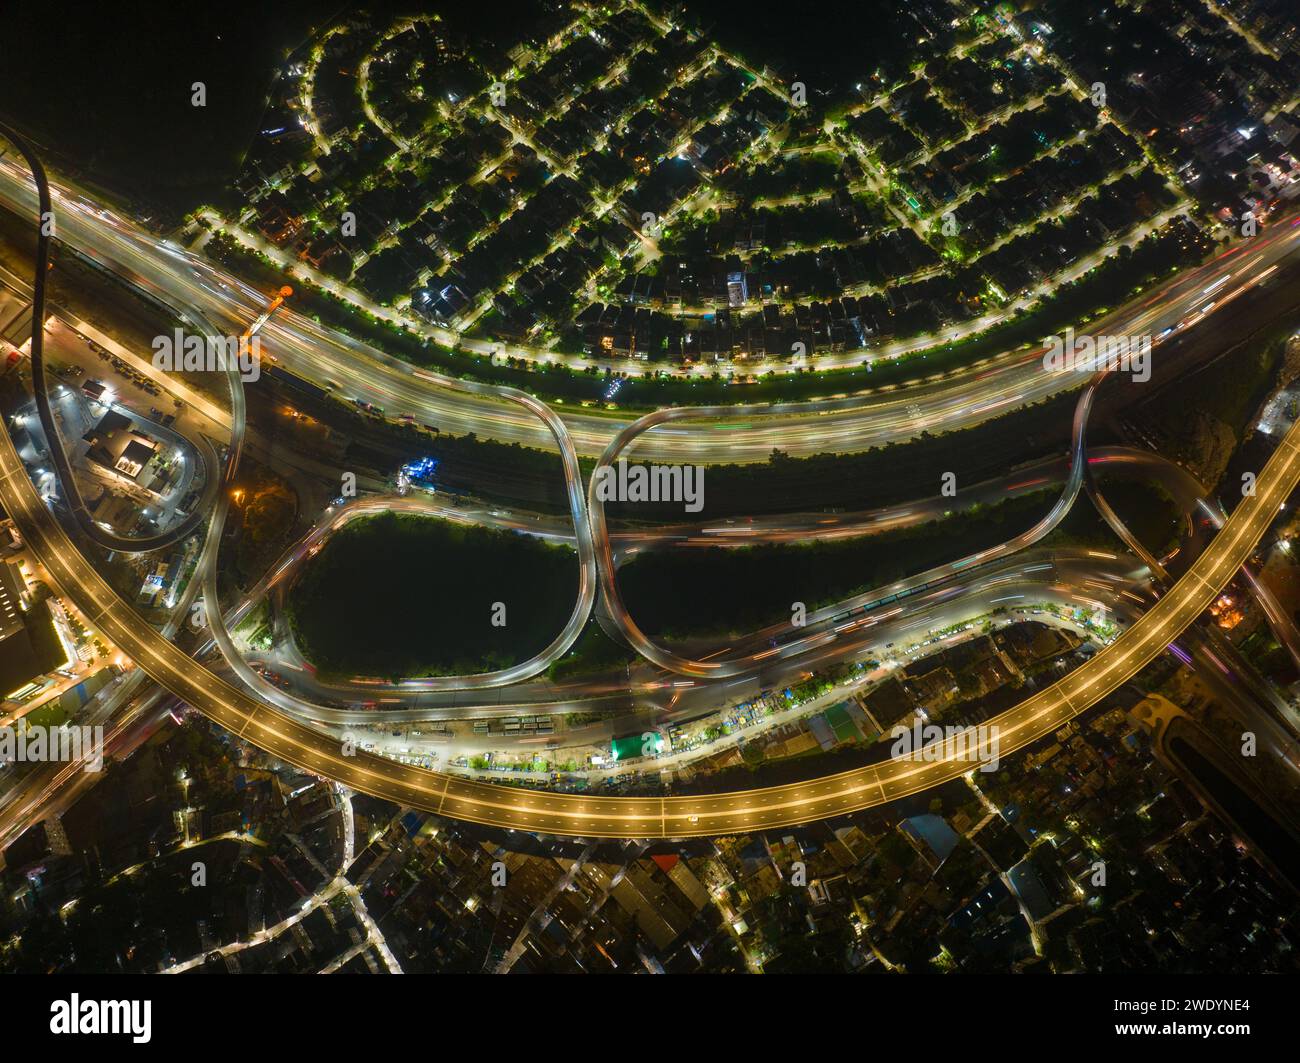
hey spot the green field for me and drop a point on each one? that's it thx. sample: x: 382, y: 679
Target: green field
x: 399, y: 595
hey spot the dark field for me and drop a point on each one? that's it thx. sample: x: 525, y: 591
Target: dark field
x: 400, y: 595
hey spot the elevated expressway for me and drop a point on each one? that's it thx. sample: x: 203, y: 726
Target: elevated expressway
x: 639, y: 817
x: 67, y: 482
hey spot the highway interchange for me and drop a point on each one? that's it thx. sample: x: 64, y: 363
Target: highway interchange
x: 805, y: 427
x: 583, y: 816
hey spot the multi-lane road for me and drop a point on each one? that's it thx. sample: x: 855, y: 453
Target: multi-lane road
x: 746, y: 433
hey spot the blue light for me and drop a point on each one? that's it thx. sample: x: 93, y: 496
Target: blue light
x: 422, y: 470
